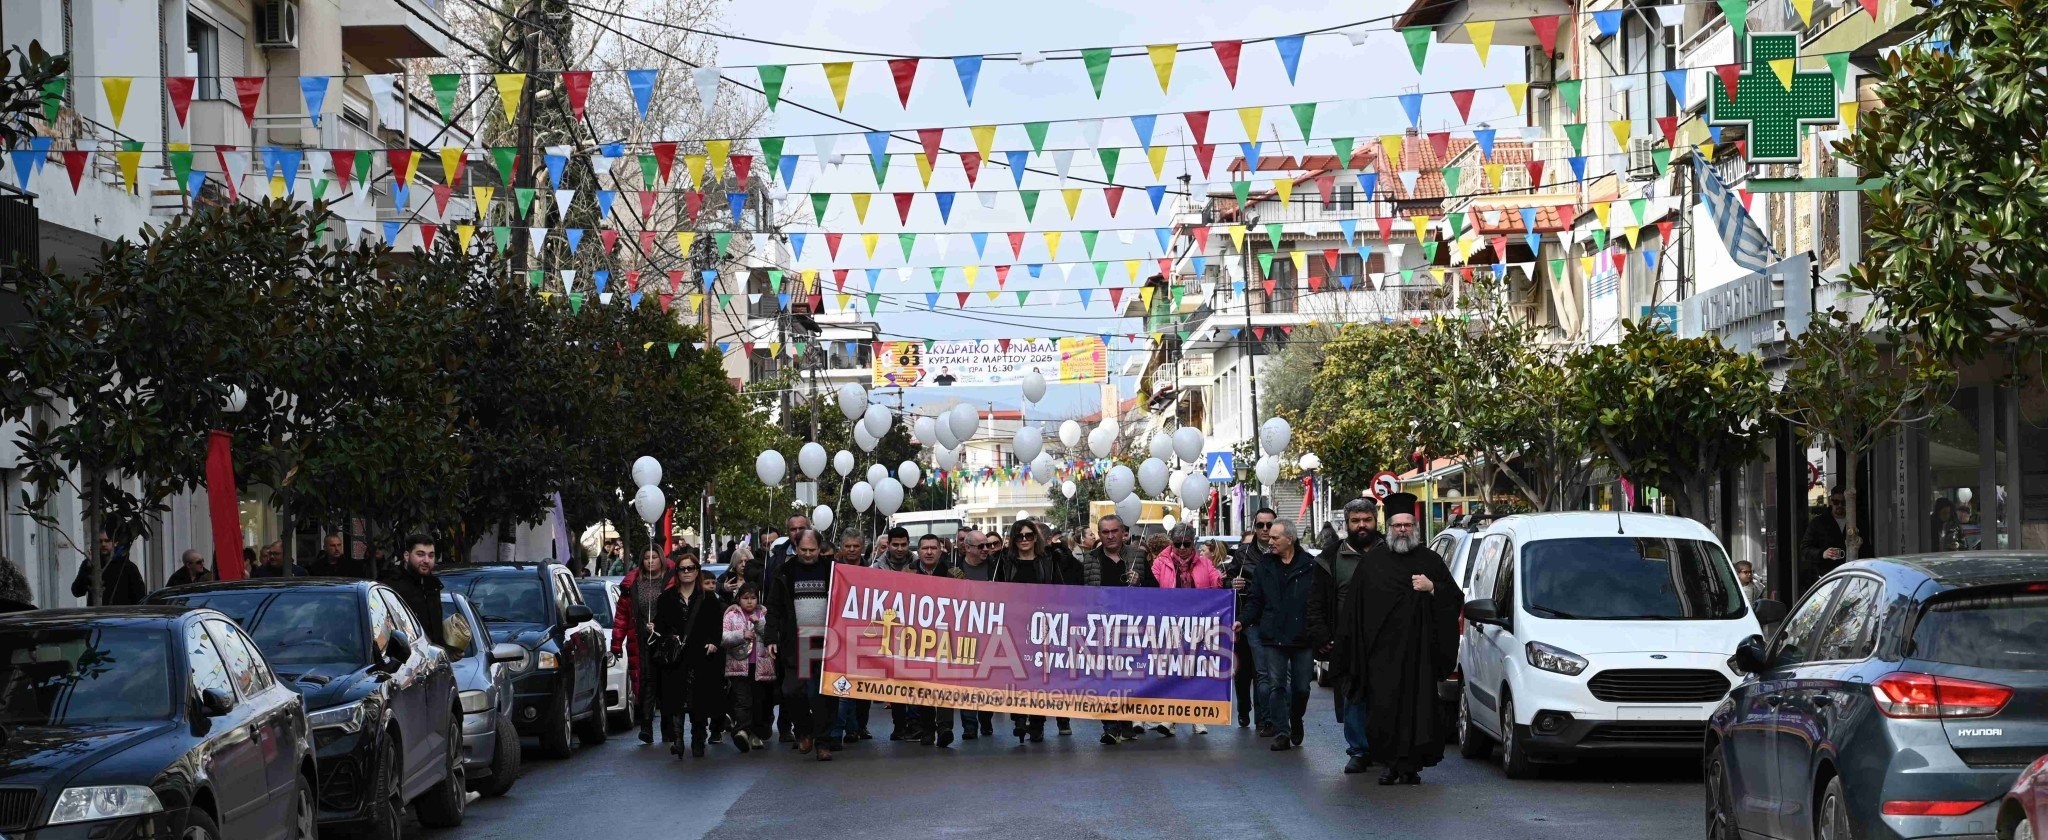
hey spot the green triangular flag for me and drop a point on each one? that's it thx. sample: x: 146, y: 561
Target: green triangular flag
x: 818, y: 203
x: 1407, y: 276
x: 1641, y: 208
x: 800, y: 345
x: 1178, y: 291
x: 505, y: 156
x: 771, y: 84
x: 1273, y: 234
x: 1737, y: 13
x: 1098, y: 67
x: 938, y: 277
x: 1452, y: 175
x: 364, y: 158
x: 575, y: 302
x: 1429, y: 251
x: 724, y: 240
x: 771, y: 155
x: 181, y: 165
x: 503, y: 236
x: 1088, y: 238
x: 1109, y: 156
x: 1557, y: 270
x: 1021, y: 295
x: 319, y: 192
x: 1576, y: 132
x: 524, y: 195
x: 775, y: 280
x: 1030, y: 199
x: 444, y: 93
x: 536, y: 278
x: 874, y: 302
x: 53, y: 97
x: 1457, y: 220
x: 1662, y: 158
x: 907, y: 241
x: 1418, y: 44
x: 1599, y: 238
x: 1243, y: 189
x: 1183, y: 334
x: 1036, y: 131
x: 724, y: 301
x: 650, y: 169
x: 1305, y: 117
x: 1266, y: 264
x: 672, y: 347
x: 929, y: 344
x: 1838, y: 64
x: 881, y: 166
x: 1101, y: 271
x: 1569, y: 90
x: 1342, y: 146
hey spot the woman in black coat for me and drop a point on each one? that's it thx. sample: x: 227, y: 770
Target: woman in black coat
x: 690, y: 624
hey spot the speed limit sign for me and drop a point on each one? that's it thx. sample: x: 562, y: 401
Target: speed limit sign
x: 1385, y: 484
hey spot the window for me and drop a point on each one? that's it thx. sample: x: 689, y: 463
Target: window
x: 202, y: 57
x: 1852, y: 633
x: 246, y: 668
x: 208, y: 671
x: 565, y: 595
x: 82, y: 674
x: 1796, y: 640
x: 402, y: 618
x: 1623, y: 577
x: 1342, y: 198
x: 381, y: 623
x: 1504, y: 583
x: 1998, y: 630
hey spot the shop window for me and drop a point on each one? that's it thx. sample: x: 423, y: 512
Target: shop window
x: 1965, y: 474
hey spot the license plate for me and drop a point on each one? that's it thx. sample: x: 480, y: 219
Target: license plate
x: 1656, y: 713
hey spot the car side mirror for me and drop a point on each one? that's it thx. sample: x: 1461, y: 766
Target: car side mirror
x: 1750, y: 656
x: 579, y: 613
x: 215, y: 702
x: 507, y: 652
x: 1769, y: 612
x: 397, y: 650
x: 1482, y: 611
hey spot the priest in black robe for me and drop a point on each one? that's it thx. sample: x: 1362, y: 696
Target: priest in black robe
x: 1396, y: 637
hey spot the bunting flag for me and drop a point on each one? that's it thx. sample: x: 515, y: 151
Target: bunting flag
x: 1097, y: 61
x: 116, y: 90
x: 1227, y: 53
x: 968, y: 68
x: 836, y: 75
x: 1418, y: 44
x: 1481, y: 33
x: 1289, y: 48
x: 904, y: 72
x: 1162, y: 56
x: 511, y: 86
x: 180, y: 90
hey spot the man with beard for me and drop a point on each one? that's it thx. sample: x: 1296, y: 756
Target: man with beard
x: 1340, y: 557
x: 1397, y: 635
x: 896, y: 550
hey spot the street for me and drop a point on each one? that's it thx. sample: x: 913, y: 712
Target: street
x: 1224, y: 784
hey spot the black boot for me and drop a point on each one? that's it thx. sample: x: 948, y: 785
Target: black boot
x: 646, y: 728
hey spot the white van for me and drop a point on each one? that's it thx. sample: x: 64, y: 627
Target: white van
x: 1597, y: 633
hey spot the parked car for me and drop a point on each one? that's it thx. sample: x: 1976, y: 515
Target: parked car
x: 147, y: 722
x: 2026, y: 805
x: 380, y: 698
x: 490, y: 742
x: 602, y: 595
x: 558, y: 688
x: 1596, y: 633
x: 1902, y: 698
x: 1456, y: 546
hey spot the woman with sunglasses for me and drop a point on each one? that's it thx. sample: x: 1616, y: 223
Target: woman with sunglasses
x: 1180, y: 565
x: 691, y: 623
x: 633, y: 629
x: 1029, y: 559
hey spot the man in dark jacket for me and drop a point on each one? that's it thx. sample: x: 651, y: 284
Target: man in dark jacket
x: 1340, y: 557
x: 1822, y: 547
x: 933, y: 724
x: 1115, y: 561
x: 796, y: 624
x: 120, y: 583
x: 418, y: 586
x: 332, y: 562
x: 191, y: 569
x: 1280, y: 603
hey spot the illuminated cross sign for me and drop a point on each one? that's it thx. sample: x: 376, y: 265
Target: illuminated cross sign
x: 1771, y: 112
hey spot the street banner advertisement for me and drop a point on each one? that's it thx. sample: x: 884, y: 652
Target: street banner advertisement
x: 1108, y: 653
x: 988, y: 362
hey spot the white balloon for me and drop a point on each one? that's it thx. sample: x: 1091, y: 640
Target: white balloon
x: 649, y: 503
x: 1068, y: 488
x: 1152, y: 476
x: 1070, y: 433
x: 1028, y: 442
x: 1041, y: 468
x: 888, y: 496
x: 821, y: 518
x: 861, y: 495
x: 965, y: 419
x: 862, y: 439
x: 1168, y: 522
x: 877, y: 472
x: 811, y: 459
x: 1187, y: 443
x: 922, y: 429
x: 1111, y: 425
x: 1194, y: 491
x: 842, y: 462
x: 1268, y: 470
x: 947, y: 458
x: 769, y: 467
x: 1162, y: 446
x: 942, y: 431
x: 853, y: 400
x: 1274, y: 435
x: 908, y: 473
x: 646, y: 471
x: 1130, y: 508
x: 1034, y: 386
x: 876, y: 421
x: 1102, y: 441
x: 1119, y: 481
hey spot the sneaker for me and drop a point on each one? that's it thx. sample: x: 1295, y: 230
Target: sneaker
x: 1267, y: 731
x: 1163, y: 730
x: 1201, y: 729
x: 1110, y: 740
x: 741, y: 742
x: 1244, y: 720
x: 756, y: 741
x: 1066, y: 728
x: 945, y: 739
x: 971, y: 734
x: 1357, y: 764
x: 925, y: 739
x: 1282, y: 744
x: 1294, y: 736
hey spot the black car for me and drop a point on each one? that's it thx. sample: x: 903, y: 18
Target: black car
x: 1901, y: 698
x: 558, y: 691
x: 381, y: 700
x: 145, y: 722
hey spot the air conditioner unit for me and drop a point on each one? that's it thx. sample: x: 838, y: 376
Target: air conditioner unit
x: 1642, y: 165
x: 277, y: 24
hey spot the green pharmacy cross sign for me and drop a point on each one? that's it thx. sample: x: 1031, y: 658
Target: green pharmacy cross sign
x: 1771, y: 112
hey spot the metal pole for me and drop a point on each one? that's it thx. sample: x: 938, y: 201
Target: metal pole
x: 522, y: 171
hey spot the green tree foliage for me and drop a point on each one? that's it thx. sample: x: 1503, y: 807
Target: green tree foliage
x: 26, y: 77
x: 1358, y: 420
x: 1956, y: 255
x: 1287, y: 378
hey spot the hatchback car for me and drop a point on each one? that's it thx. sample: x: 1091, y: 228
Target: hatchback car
x: 490, y: 743
x: 380, y: 698
x: 558, y: 688
x: 147, y: 722
x: 2026, y: 805
x: 602, y: 596
x: 1901, y: 698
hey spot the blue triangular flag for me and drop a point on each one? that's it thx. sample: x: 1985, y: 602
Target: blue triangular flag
x: 1412, y: 103
x: 724, y: 347
x: 788, y: 170
x: 1034, y: 270
x: 945, y: 200
x: 710, y: 276
x: 783, y: 301
x: 1369, y: 184
x: 1650, y: 259
x: 1251, y: 156
x: 601, y: 278
x: 633, y: 301
x: 878, y: 145
x: 1675, y: 80
x: 604, y: 203
x: 1500, y: 271
x: 738, y: 202
x: 270, y: 156
x: 931, y: 300
x: 642, y: 82
x: 556, y: 163
x: 1143, y: 124
x: 575, y: 236
x: 1609, y: 22
x: 1345, y: 281
x: 980, y: 239
x: 1017, y: 159
x: 1578, y: 163
x: 1201, y: 264
x: 969, y: 69
x: 391, y: 230
x: 195, y: 182
x: 1156, y: 192
x: 1238, y: 287
x: 1535, y: 241
x: 1087, y: 296
x: 1529, y: 220
x: 401, y: 195
x: 613, y: 149
x: 1714, y: 131
x: 1165, y: 237
x: 874, y: 275
x: 796, y: 243
x: 314, y: 89
x: 1484, y: 137
x: 1350, y: 228
x: 1290, y: 54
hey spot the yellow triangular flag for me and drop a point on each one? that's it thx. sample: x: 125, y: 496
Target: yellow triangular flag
x: 1390, y: 148
x: 775, y: 349
x: 1493, y: 173
x: 970, y: 272
x: 1300, y: 259
x: 1632, y: 232
x: 1073, y: 197
x: 1284, y: 187
x: 451, y: 160
x: 993, y: 293
x: 510, y: 87
x: 1157, y: 156
x: 836, y: 74
x: 1131, y: 270
x: 868, y: 240
x: 860, y: 210
x: 116, y: 88
x: 1145, y: 297
x: 277, y: 186
x: 1603, y: 210
x: 1052, y: 244
x: 483, y: 197
x: 131, y: 166
x: 1250, y: 117
x: 1621, y: 130
x: 1162, y: 61
x: 694, y: 165
x: 1518, y: 92
x: 685, y: 239
x: 647, y: 345
x: 1585, y: 266
x: 696, y: 302
x: 1481, y: 33
x: 1237, y: 237
x: 924, y: 169
x: 1706, y: 151
x: 1849, y: 110
x: 843, y: 299
x: 1782, y: 68
x: 547, y: 295
x: 717, y: 150
x: 1805, y: 10
x: 1421, y: 223
x: 465, y: 234
x: 984, y: 139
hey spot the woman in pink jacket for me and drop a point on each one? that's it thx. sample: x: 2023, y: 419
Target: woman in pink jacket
x: 1183, y: 566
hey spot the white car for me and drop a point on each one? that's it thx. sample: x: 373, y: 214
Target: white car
x: 602, y: 594
x: 1596, y: 634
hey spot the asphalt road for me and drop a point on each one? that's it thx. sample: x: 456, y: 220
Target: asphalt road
x: 1223, y: 784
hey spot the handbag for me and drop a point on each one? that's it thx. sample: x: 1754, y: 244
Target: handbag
x: 666, y: 648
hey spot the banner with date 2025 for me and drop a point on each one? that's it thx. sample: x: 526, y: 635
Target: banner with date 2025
x: 1109, y: 653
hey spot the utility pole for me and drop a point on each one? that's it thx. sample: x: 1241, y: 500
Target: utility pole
x: 522, y: 170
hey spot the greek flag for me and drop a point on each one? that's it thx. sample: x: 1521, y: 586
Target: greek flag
x: 1746, y: 242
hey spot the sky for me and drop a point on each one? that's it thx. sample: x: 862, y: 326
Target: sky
x: 1342, y: 77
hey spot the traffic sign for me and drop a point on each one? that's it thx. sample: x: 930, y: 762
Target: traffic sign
x: 1221, y: 468
x: 1385, y: 484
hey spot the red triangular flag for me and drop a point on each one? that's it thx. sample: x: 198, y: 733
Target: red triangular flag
x: 1165, y: 267
x: 832, y: 244
x: 747, y: 346
x: 1270, y: 285
x: 961, y: 297
x: 1016, y: 243
x: 1730, y: 74
x: 1619, y: 258
x: 1327, y: 185
x: 1870, y: 8
x: 1668, y: 126
x: 1116, y: 297
x: 1199, y: 235
x: 1113, y: 196
x: 1003, y: 343
x: 1745, y: 195
x: 1198, y: 125
x: 1546, y: 32
x: 741, y: 166
x: 1742, y: 148
x: 1467, y: 271
x: 1567, y: 214
x: 610, y: 236
x: 180, y: 88
x: 1535, y: 168
x: 632, y: 282
x: 427, y: 231
x: 344, y: 165
x: 693, y: 203
x: 1664, y: 231
x: 442, y: 192
x: 839, y: 280
x: 1386, y: 228
x: 1330, y: 258
x: 675, y: 281
x: 400, y: 160
x: 903, y: 206
x: 905, y: 71
x: 929, y: 138
x: 577, y: 84
x: 666, y: 299
x: 1500, y: 249
x: 1440, y: 143
x: 249, y: 89
x: 1315, y: 282
x: 74, y: 165
x: 647, y: 243
x: 1204, y: 154
x: 1463, y: 99
x: 970, y: 163
x: 1002, y: 275
x: 1260, y: 332
x: 664, y: 159
x: 646, y: 204
x: 1226, y: 54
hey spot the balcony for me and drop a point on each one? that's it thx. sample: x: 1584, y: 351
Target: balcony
x: 380, y: 32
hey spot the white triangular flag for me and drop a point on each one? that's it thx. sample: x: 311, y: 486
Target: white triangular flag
x: 823, y: 145
x: 535, y: 238
x: 707, y: 86
x: 1062, y: 160
x: 1091, y: 133
x: 384, y: 92
x: 568, y: 280
x: 988, y: 200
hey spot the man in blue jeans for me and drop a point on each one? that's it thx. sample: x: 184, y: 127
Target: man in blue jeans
x: 1340, y: 557
x: 1277, y: 605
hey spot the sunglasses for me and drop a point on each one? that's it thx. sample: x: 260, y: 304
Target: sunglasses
x: 992, y: 544
x: 1027, y: 535
x: 1262, y: 525
x: 681, y: 569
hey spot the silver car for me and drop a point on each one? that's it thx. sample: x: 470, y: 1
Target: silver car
x: 490, y: 743
x: 602, y: 594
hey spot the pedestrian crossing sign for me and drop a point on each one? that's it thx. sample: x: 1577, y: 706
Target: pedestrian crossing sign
x: 1222, y: 468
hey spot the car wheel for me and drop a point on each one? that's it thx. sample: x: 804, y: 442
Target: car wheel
x: 1834, y: 814
x: 1472, y: 741
x: 1514, y: 748
x: 442, y: 806
x: 556, y: 740
x: 504, y: 762
x: 382, y: 820
x: 199, y: 825
x: 596, y: 728
x: 2023, y: 831
x: 623, y: 719
x: 1720, y: 803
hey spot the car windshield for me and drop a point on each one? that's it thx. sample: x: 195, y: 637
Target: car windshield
x: 600, y: 601
x: 83, y: 675
x: 515, y: 598
x: 239, y: 606
x: 1993, y: 630
x: 312, y: 628
x: 1621, y: 577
